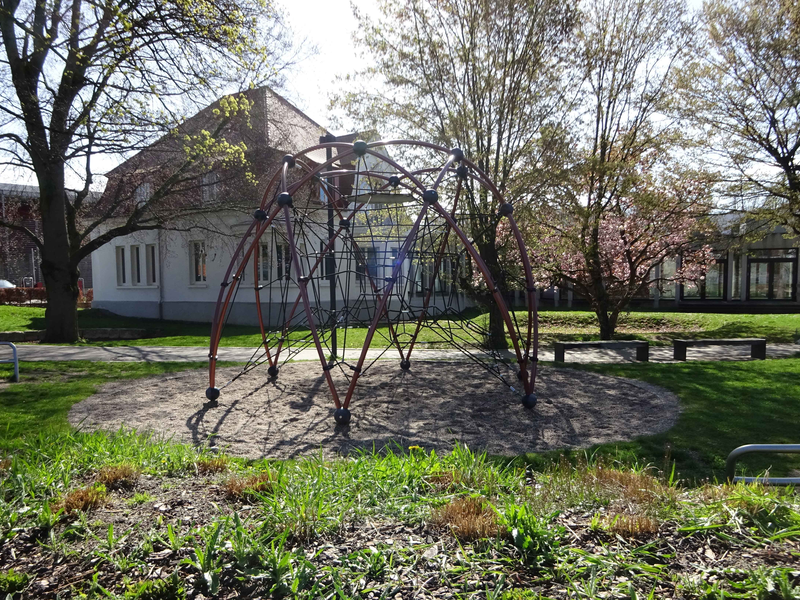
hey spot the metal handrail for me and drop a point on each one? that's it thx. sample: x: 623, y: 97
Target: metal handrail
x: 730, y: 463
x: 14, y: 360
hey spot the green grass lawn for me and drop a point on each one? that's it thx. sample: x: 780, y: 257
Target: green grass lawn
x: 723, y: 405
x: 657, y: 327
x: 129, y: 517
x: 39, y: 403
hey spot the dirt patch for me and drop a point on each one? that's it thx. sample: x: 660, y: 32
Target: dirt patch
x: 433, y: 405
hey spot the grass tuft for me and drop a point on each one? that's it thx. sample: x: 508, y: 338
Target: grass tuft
x: 83, y: 499
x: 118, y: 477
x: 631, y: 525
x: 470, y: 518
x: 635, y: 486
x: 441, y: 480
x: 246, y: 487
x: 218, y: 464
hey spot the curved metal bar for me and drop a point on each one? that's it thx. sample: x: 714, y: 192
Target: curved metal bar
x: 221, y: 307
x: 730, y: 463
x: 439, y: 256
x: 533, y: 315
x: 301, y: 284
x: 498, y: 298
x: 387, y: 292
x: 451, y: 159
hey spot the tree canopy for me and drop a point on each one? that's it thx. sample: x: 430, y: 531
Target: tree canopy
x: 743, y: 93
x: 85, y: 79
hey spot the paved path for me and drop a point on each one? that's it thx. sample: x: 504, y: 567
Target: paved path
x: 176, y: 353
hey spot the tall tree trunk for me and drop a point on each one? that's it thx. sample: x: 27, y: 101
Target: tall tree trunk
x: 59, y: 272
x: 497, y: 328
x: 496, y: 339
x: 608, y: 322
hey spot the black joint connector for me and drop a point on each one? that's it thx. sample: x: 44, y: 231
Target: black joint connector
x: 532, y: 290
x: 388, y: 279
x: 506, y: 210
x: 224, y: 284
x: 356, y: 369
x: 344, y: 224
x: 284, y: 199
x: 394, y: 181
x: 327, y: 367
x: 430, y: 196
x: 360, y: 147
x: 260, y: 215
x: 289, y: 160
x: 303, y: 279
x: 457, y: 154
x: 462, y: 172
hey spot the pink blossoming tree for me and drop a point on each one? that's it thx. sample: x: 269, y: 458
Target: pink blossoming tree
x: 618, y: 199
x: 608, y: 251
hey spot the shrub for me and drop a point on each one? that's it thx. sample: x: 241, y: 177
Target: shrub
x: 22, y: 295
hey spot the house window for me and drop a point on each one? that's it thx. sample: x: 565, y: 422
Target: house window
x: 736, y: 288
x: 712, y: 286
x: 151, y: 264
x: 210, y: 190
x: 142, y: 194
x: 136, y: 265
x: 446, y: 274
x: 369, y: 264
x: 327, y: 266
x: 264, y: 264
x: 772, y: 274
x: 390, y: 262
x: 121, y: 276
x: 198, y: 257
x: 283, y: 261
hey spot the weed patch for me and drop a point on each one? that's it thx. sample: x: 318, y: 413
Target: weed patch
x: 118, y: 477
x: 248, y: 487
x: 83, y: 499
x: 631, y: 525
x: 469, y: 519
x: 206, y: 466
x: 161, y: 589
x: 12, y: 582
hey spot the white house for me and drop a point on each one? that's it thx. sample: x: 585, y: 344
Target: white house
x: 176, y: 275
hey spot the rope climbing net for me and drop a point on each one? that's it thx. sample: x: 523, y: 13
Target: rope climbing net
x: 356, y: 257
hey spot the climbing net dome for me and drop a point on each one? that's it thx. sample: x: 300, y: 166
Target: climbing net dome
x: 359, y: 258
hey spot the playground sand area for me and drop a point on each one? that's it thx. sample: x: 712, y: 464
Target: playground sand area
x: 434, y: 405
